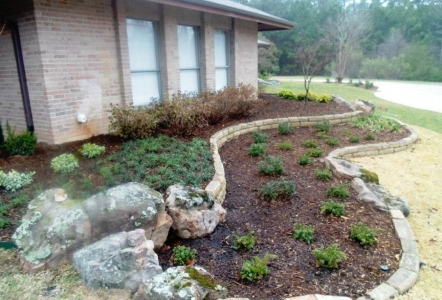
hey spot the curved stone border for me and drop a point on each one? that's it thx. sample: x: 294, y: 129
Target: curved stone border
x: 407, y: 274
x: 217, y: 187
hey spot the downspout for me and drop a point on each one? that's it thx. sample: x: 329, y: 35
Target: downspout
x: 18, y: 51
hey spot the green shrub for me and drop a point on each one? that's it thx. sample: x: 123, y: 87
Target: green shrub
x: 285, y: 128
x: 278, y: 189
x: 271, y: 166
x: 257, y: 149
x: 332, y: 141
x: 368, y: 85
x: 314, y: 152
x: 362, y: 234
x: 13, y: 180
x: 91, y: 150
x: 133, y: 122
x: 303, y: 232
x: 310, y: 144
x: 182, y: 255
x: 332, y: 207
x: 19, y: 144
x: 304, y: 160
x: 324, y: 174
x: 64, y: 163
x: 256, y: 268
x: 370, y: 137
x: 323, y: 126
x: 325, y: 98
x: 339, y: 191
x: 322, y: 135
x: 244, y: 242
x: 354, y: 139
x: 286, y: 145
x: 330, y: 257
x: 286, y: 94
x: 376, y: 123
x: 260, y: 137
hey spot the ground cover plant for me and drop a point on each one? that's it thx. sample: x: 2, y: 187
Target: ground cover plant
x: 278, y: 189
x: 257, y: 149
x: 272, y: 222
x: 286, y: 145
x: 183, y: 255
x: 363, y: 234
x: 329, y: 257
x: 303, y: 232
x: 331, y: 207
x: 256, y: 268
x: 339, y: 191
x: 245, y: 242
x: 271, y: 165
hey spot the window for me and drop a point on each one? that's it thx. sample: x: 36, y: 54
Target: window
x: 144, y: 63
x: 222, y: 59
x: 188, y: 46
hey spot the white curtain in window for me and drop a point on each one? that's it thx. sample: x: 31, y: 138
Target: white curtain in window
x: 221, y: 78
x: 221, y: 59
x: 143, y: 60
x: 188, y: 47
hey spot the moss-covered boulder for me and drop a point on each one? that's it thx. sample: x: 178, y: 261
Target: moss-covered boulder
x: 56, y: 225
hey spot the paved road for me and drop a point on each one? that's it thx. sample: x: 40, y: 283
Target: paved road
x: 415, y: 94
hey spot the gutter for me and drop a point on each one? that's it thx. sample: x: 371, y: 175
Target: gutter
x: 18, y: 51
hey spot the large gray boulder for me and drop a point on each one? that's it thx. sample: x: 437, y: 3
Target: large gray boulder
x: 391, y: 201
x: 194, y: 212
x: 56, y: 226
x: 181, y: 283
x: 122, y: 260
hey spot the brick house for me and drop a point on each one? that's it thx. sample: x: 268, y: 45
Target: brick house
x: 63, y: 58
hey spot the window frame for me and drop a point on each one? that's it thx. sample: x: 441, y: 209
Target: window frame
x: 228, y: 58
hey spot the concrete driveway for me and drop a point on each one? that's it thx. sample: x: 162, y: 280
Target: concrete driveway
x: 425, y: 95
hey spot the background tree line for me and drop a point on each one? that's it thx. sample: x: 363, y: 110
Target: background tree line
x: 384, y: 39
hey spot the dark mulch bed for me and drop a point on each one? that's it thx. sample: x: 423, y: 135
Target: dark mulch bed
x: 294, y: 271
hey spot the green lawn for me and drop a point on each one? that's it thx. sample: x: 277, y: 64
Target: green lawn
x: 413, y: 116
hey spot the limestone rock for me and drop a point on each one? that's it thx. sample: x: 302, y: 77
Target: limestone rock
x: 180, y: 283
x: 342, y: 168
x: 51, y: 230
x: 159, y: 235
x: 391, y: 201
x: 194, y: 212
x: 365, y: 194
x: 122, y: 260
x: 366, y: 107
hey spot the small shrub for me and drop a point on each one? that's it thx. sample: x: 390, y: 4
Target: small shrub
x: 332, y: 207
x: 327, y: 80
x: 332, y: 141
x: 260, y: 137
x: 323, y: 126
x: 370, y: 137
x: 271, y: 166
x: 182, y: 255
x: 362, y: 234
x: 324, y: 174
x: 346, y: 132
x: 64, y: 163
x: 368, y: 85
x: 310, y: 144
x: 286, y: 145
x: 91, y: 150
x: 396, y: 127
x: 257, y: 149
x: 286, y: 94
x: 285, y: 128
x: 329, y: 257
x: 256, y: 268
x: 278, y: 189
x: 132, y: 122
x: 377, y: 123
x: 322, y: 135
x: 304, y: 160
x: 339, y: 191
x: 354, y: 139
x: 19, y: 144
x: 13, y: 180
x: 303, y: 232
x: 244, y: 242
x: 314, y: 152
x: 325, y: 98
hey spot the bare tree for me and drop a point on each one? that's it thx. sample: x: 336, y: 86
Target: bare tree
x: 394, y: 45
x: 313, y: 59
x: 346, y: 32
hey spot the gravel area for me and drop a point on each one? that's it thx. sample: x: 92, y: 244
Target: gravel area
x: 414, y: 174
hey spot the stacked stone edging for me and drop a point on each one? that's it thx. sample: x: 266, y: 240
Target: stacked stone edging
x: 217, y: 187
x: 407, y: 274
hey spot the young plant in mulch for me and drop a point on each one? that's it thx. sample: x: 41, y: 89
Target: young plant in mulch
x: 324, y: 174
x: 332, y: 141
x: 304, y: 160
x: 329, y: 257
x: 271, y: 165
x: 256, y: 268
x: 246, y: 242
x: 314, y: 152
x: 285, y: 128
x: 362, y: 234
x: 278, y: 189
x: 260, y: 137
x: 303, y: 232
x: 183, y: 255
x: 331, y: 207
x: 286, y: 146
x: 64, y: 163
x: 257, y: 149
x: 353, y: 139
x: 339, y: 191
x: 322, y: 135
x: 370, y: 136
x: 310, y: 144
x: 323, y: 126
x: 91, y: 150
